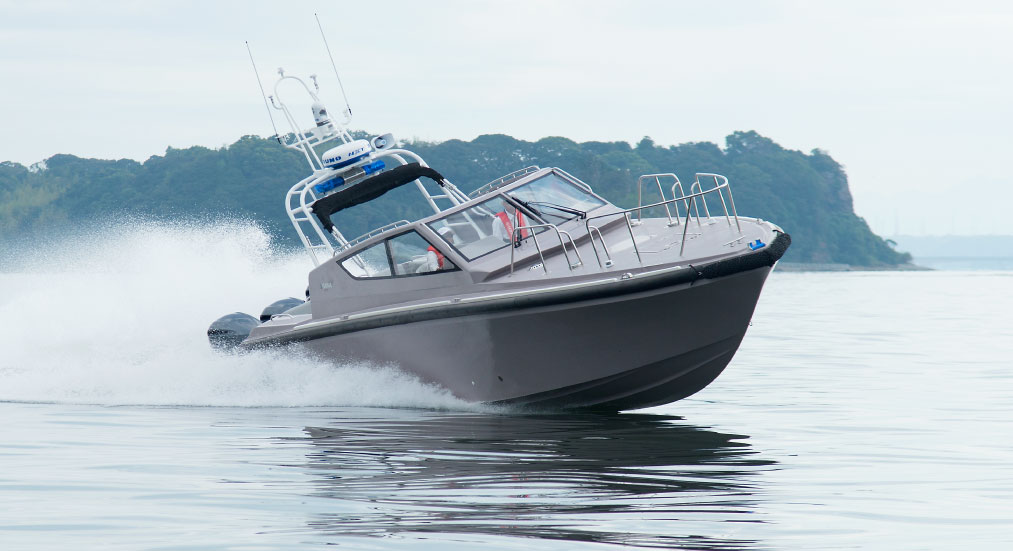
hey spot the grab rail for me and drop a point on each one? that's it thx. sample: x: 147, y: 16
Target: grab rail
x: 661, y: 190
x: 689, y: 201
x: 590, y: 231
x: 516, y: 239
x: 372, y: 233
x: 503, y: 180
x: 629, y: 227
x: 721, y: 195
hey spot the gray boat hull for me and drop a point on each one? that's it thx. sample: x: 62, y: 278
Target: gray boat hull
x: 534, y: 291
x: 621, y: 351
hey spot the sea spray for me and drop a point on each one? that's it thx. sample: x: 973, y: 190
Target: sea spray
x: 118, y: 316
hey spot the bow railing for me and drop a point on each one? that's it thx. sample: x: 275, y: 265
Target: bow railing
x: 689, y: 202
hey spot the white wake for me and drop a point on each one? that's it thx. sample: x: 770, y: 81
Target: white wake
x: 120, y: 317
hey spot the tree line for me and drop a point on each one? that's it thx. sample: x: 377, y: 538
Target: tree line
x: 805, y: 193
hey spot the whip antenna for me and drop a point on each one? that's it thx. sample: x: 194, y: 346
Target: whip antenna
x: 264, y: 95
x: 348, y: 108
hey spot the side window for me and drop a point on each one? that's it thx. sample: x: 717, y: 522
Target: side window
x: 409, y: 254
x: 371, y: 262
x: 414, y: 255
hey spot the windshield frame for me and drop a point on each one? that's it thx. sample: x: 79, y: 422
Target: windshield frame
x: 503, y: 193
x: 567, y: 179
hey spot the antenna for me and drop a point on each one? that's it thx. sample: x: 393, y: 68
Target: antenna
x: 261, y: 85
x: 348, y: 108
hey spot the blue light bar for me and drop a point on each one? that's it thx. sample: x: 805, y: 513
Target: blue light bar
x: 324, y: 187
x: 338, y: 181
x: 375, y: 166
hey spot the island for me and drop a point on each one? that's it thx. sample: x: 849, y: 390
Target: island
x: 805, y: 193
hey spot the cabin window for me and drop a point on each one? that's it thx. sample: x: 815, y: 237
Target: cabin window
x: 371, y: 262
x: 412, y: 254
x: 483, y: 228
x: 405, y: 255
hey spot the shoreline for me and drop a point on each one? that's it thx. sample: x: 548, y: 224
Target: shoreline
x: 834, y: 267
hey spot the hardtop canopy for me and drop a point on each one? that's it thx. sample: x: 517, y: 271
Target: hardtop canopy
x: 370, y: 189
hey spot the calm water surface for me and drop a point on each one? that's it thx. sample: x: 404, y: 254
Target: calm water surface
x: 863, y: 411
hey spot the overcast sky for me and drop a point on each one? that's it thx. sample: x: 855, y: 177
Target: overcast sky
x: 913, y: 98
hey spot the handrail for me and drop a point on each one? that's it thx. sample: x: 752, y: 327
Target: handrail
x: 688, y: 200
x: 575, y: 180
x: 516, y: 238
x: 629, y: 227
x: 706, y: 210
x: 590, y: 232
x: 299, y: 213
x: 370, y: 234
x: 580, y: 261
x: 721, y: 195
x: 504, y: 180
x: 657, y: 180
x: 685, y: 228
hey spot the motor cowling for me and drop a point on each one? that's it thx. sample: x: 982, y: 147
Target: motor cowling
x: 227, y: 332
x: 279, y: 307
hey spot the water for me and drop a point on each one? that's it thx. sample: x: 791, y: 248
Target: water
x: 863, y: 411
x: 974, y: 263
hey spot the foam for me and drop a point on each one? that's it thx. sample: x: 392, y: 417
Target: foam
x: 119, y: 317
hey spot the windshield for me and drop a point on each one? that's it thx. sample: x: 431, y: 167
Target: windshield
x: 483, y: 228
x: 555, y: 199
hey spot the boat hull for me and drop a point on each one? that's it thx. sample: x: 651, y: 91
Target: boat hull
x: 624, y: 351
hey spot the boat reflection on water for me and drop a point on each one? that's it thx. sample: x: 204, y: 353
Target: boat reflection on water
x: 636, y: 480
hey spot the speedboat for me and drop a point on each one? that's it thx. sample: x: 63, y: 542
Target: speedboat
x: 533, y: 289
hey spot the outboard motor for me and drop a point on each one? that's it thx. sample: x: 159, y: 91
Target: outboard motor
x: 227, y: 332
x: 279, y: 307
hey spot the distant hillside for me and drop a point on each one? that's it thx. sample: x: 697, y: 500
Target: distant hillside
x: 806, y: 194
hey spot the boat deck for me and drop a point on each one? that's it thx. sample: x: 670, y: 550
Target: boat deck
x: 657, y: 243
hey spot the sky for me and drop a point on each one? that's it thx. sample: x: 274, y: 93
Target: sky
x: 912, y: 98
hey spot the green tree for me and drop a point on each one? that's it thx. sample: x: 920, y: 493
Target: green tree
x: 806, y: 194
